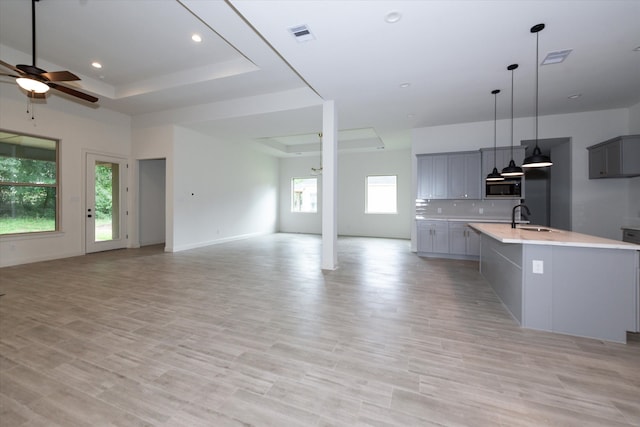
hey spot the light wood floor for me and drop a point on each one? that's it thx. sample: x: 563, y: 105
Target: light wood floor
x: 253, y: 333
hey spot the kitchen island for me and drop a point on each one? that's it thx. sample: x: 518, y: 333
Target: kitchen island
x: 561, y: 281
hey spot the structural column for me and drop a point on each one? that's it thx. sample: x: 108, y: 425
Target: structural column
x: 329, y: 186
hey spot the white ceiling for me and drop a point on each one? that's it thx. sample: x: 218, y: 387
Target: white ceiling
x: 251, y: 81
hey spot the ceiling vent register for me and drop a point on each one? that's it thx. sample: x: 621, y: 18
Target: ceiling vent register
x: 302, y: 33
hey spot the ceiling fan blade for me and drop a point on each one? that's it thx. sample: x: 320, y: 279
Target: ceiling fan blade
x: 60, y: 76
x: 11, y: 67
x: 9, y: 75
x: 73, y: 92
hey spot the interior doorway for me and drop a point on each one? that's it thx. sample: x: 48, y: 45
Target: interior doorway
x: 152, y: 201
x: 548, y: 190
x: 105, y: 211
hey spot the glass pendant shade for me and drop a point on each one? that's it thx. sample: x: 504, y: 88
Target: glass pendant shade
x: 32, y: 85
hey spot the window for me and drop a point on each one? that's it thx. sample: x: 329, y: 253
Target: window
x: 382, y: 194
x: 28, y: 184
x: 304, y: 195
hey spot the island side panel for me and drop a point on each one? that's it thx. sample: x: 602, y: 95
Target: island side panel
x: 537, y: 292
x: 594, y: 292
x: 500, y: 264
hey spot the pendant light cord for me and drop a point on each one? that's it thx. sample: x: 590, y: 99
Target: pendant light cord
x: 512, y: 114
x: 537, y: 67
x: 495, y: 127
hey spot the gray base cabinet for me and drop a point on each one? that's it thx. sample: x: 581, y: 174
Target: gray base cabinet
x: 447, y: 239
x: 463, y: 240
x: 433, y: 237
x: 616, y: 158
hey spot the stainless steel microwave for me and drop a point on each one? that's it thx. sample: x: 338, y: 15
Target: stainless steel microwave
x: 509, y: 188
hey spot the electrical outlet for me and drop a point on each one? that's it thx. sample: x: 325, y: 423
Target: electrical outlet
x: 481, y: 211
x: 439, y: 210
x: 538, y: 266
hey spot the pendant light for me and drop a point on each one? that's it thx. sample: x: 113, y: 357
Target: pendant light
x: 537, y: 159
x: 495, y: 175
x: 512, y: 170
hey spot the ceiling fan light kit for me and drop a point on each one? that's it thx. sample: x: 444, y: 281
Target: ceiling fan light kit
x: 32, y: 85
x: 537, y: 159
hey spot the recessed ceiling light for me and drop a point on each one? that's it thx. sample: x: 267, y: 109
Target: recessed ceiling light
x: 196, y: 38
x: 392, y: 17
x: 575, y: 96
x: 405, y: 85
x: 96, y: 64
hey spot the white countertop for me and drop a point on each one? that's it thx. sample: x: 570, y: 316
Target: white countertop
x: 467, y: 219
x: 505, y: 234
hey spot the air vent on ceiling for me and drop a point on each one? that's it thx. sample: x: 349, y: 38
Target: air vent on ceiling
x: 556, y: 57
x: 301, y: 33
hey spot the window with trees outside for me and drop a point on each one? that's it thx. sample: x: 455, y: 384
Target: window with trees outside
x: 381, y: 196
x: 29, y: 184
x: 304, y: 195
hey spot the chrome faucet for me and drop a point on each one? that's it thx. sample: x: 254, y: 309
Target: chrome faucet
x: 513, y: 213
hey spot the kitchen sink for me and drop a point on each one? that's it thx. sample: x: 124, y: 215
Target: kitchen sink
x: 533, y: 228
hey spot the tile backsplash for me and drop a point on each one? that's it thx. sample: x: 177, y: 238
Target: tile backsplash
x: 490, y: 209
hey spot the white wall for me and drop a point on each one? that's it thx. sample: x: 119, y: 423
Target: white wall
x: 221, y: 191
x: 299, y: 222
x: 152, y: 201
x: 353, y: 168
x: 599, y: 207
x: 154, y: 143
x: 80, y: 129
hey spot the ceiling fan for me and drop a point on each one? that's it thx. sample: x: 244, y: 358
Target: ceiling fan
x: 37, y: 81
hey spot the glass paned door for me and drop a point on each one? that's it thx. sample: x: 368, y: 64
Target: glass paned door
x: 105, y: 213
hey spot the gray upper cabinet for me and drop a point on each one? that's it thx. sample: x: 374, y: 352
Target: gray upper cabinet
x: 616, y: 158
x: 432, y: 176
x: 464, y: 176
x: 449, y: 176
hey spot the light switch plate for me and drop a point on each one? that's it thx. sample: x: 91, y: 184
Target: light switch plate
x: 538, y: 266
